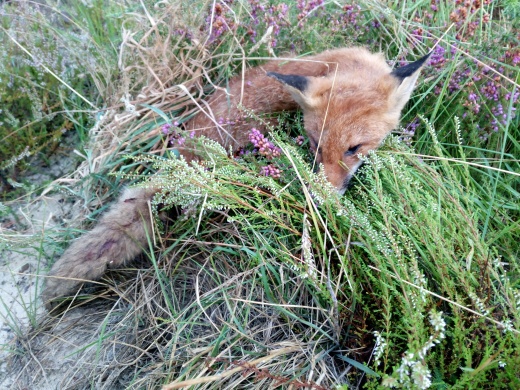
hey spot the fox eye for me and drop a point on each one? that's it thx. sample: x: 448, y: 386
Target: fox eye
x: 352, y: 151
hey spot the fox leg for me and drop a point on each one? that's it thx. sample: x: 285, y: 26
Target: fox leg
x: 119, y: 236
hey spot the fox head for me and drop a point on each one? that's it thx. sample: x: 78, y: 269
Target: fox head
x: 350, y: 112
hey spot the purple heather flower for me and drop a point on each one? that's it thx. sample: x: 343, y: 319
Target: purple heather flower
x: 515, y: 97
x: 437, y: 58
x: 299, y: 140
x: 271, y: 170
x: 166, y: 128
x: 264, y: 146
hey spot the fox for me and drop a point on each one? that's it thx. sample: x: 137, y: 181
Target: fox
x: 351, y: 99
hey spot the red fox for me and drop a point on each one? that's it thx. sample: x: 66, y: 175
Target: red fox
x: 351, y: 100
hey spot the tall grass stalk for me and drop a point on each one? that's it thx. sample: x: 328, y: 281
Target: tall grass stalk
x: 410, y: 280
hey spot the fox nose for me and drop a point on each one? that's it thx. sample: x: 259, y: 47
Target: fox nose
x: 340, y: 175
x: 335, y: 177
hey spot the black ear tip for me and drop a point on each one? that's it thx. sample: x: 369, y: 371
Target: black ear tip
x: 274, y: 75
x: 407, y: 70
x: 426, y: 57
x: 295, y: 81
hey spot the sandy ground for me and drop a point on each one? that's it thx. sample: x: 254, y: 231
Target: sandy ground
x: 26, y: 246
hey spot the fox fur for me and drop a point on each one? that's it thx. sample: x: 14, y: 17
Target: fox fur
x: 351, y: 100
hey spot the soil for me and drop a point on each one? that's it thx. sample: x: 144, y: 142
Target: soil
x: 27, y: 247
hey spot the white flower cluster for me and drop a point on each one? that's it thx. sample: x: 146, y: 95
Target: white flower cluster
x: 360, y: 219
x: 508, y: 325
x: 516, y: 295
x: 413, y: 373
x: 379, y: 348
x: 513, y: 294
x: 419, y: 280
x: 479, y: 304
x: 431, y: 129
x: 12, y: 162
x: 457, y: 130
x: 308, y: 256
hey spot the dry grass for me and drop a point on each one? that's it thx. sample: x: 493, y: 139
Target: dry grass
x: 198, y: 314
x: 219, y: 304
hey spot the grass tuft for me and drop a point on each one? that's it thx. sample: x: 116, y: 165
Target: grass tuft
x: 266, y: 277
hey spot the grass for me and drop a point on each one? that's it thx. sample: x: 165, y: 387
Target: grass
x: 409, y: 280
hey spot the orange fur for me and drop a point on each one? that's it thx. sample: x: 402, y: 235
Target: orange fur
x: 350, y: 98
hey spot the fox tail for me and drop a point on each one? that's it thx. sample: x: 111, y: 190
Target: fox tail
x: 121, y: 235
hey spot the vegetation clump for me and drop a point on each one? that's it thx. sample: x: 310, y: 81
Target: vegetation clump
x: 267, y: 277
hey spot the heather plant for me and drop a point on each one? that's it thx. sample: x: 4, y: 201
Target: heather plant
x: 266, y: 277
x: 53, y: 72
x: 407, y: 265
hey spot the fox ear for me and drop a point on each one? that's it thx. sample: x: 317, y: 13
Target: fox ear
x: 296, y: 85
x: 407, y: 76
